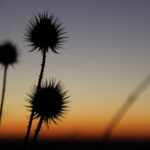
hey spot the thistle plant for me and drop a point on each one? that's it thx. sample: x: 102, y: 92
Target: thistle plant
x: 8, y: 56
x: 49, y: 104
x: 43, y: 33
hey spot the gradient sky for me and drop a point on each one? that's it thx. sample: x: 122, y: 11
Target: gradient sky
x: 105, y: 58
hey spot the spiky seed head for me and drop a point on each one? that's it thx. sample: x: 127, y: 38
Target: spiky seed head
x: 45, y: 32
x: 8, y: 53
x: 50, y: 101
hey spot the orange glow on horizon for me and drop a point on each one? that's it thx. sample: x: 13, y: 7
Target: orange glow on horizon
x: 78, y: 124
x: 124, y: 130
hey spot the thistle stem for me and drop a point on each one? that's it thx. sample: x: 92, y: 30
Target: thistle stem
x: 3, y: 92
x: 42, y: 70
x: 38, y: 87
x: 36, y: 133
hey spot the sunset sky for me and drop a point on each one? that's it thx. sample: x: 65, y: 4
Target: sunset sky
x: 106, y: 56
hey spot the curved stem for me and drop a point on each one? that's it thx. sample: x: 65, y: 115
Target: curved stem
x: 42, y: 70
x: 38, y: 87
x: 36, y: 133
x: 124, y: 108
x: 3, y: 92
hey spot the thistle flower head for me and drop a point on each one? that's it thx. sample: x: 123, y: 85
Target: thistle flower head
x: 44, y: 32
x: 8, y: 53
x: 50, y: 101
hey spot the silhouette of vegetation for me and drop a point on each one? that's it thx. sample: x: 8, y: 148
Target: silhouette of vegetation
x: 8, y: 56
x: 49, y: 104
x: 44, y: 32
x: 124, y: 108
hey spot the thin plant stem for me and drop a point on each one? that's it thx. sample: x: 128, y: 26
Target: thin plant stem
x: 32, y: 112
x: 36, y: 133
x: 42, y: 70
x: 3, y: 92
x: 121, y: 112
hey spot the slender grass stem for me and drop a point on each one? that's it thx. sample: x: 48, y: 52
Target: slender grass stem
x: 124, y: 108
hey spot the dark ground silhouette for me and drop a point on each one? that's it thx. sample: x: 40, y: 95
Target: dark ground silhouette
x: 84, y: 144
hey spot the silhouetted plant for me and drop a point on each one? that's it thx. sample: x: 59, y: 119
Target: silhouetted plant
x: 124, y: 108
x: 49, y: 104
x: 44, y: 32
x: 8, y: 56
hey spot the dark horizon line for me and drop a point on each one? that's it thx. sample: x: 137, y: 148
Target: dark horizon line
x: 79, y: 139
